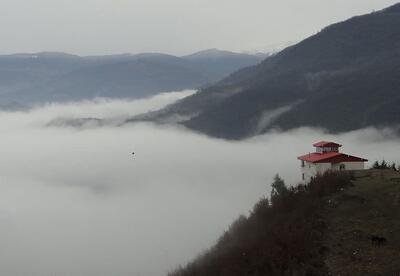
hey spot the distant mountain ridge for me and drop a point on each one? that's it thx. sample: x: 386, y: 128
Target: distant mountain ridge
x: 31, y: 78
x: 343, y: 78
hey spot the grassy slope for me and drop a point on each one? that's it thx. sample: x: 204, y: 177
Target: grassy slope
x: 371, y: 207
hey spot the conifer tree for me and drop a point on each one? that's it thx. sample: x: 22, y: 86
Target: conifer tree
x: 278, y: 186
x: 376, y: 165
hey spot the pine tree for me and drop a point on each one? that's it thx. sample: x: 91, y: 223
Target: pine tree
x: 376, y: 165
x: 278, y: 186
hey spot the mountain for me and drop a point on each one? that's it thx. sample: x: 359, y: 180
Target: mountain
x: 222, y: 63
x: 343, y: 78
x: 25, y: 70
x: 27, y: 79
x: 133, y: 77
x: 334, y: 225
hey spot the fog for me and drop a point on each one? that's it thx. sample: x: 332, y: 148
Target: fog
x: 77, y: 202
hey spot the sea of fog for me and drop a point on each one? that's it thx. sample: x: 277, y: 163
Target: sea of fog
x: 77, y: 202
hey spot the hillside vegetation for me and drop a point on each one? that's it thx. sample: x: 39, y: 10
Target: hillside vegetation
x: 336, y: 225
x: 349, y: 72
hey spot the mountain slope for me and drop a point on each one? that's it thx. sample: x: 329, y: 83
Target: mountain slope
x: 127, y: 79
x: 44, y: 77
x: 220, y: 62
x: 25, y: 70
x: 345, y: 77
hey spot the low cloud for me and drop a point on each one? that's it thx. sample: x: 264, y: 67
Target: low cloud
x: 269, y: 116
x: 77, y: 202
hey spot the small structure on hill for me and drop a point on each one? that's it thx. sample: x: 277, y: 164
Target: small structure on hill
x: 327, y: 157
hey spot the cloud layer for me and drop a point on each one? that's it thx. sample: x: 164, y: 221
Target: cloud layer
x: 76, y: 202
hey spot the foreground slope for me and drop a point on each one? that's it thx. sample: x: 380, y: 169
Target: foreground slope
x: 343, y: 78
x: 324, y: 228
x: 369, y: 208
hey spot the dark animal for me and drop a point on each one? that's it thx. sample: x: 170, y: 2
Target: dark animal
x: 377, y: 240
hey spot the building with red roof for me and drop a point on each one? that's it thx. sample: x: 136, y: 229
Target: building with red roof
x: 328, y: 157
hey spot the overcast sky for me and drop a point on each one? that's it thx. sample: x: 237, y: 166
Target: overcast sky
x: 172, y: 26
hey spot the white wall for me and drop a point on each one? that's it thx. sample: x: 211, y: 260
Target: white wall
x: 312, y: 169
x: 349, y: 166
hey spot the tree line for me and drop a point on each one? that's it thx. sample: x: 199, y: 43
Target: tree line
x: 383, y: 165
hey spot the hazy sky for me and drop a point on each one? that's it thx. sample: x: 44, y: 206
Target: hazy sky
x: 172, y: 26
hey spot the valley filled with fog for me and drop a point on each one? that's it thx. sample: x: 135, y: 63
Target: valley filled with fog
x: 75, y: 201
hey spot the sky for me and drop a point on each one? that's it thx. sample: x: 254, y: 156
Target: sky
x: 95, y: 27
x: 74, y: 201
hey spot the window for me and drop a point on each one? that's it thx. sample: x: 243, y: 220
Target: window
x: 302, y: 163
x: 303, y: 176
x: 342, y: 167
x: 328, y: 149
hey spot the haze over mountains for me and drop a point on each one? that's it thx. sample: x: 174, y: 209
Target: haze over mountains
x: 345, y: 77
x: 27, y: 79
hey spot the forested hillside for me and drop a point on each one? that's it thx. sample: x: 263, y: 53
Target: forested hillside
x: 345, y: 77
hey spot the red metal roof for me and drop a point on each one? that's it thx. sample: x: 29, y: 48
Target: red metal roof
x: 330, y: 157
x: 326, y: 144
